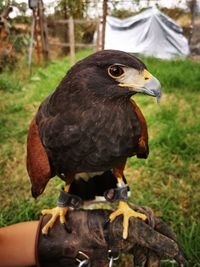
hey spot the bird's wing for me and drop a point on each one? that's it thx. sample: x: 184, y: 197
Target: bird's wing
x: 38, y: 166
x: 143, y: 148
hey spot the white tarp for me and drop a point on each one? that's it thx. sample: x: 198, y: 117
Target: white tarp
x: 150, y: 33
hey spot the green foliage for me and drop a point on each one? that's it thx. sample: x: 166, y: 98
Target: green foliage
x: 174, y: 13
x: 168, y: 181
x: 22, y: 6
x: 66, y: 8
x: 20, y: 43
x: 12, y: 51
x: 121, y: 13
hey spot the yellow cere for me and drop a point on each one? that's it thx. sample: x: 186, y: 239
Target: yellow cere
x: 147, y: 75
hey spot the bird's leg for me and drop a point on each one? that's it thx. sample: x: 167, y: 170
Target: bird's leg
x: 125, y: 210
x: 59, y: 211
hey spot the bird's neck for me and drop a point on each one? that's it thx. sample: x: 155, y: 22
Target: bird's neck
x: 119, y: 97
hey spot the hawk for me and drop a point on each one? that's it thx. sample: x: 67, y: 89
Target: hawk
x: 90, y: 125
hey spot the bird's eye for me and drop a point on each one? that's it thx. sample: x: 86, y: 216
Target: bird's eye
x: 115, y: 71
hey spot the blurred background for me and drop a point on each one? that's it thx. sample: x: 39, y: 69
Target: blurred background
x: 41, y: 39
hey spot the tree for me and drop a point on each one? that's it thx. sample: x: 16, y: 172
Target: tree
x: 22, y: 7
x: 77, y: 9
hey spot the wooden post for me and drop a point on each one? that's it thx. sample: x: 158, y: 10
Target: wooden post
x: 36, y: 37
x: 31, y: 43
x: 43, y: 30
x: 105, y: 8
x: 98, y: 35
x: 192, y: 4
x: 71, y: 41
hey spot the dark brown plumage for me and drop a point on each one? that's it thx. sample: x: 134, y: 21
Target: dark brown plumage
x: 88, y: 124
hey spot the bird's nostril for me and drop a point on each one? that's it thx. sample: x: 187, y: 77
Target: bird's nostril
x: 146, y: 78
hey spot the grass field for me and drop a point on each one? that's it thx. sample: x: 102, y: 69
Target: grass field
x: 168, y: 181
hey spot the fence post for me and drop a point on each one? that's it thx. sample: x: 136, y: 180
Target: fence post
x: 44, y: 31
x: 105, y: 8
x: 98, y: 35
x: 71, y: 41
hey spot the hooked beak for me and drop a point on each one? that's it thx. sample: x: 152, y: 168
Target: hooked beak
x: 152, y: 88
x: 144, y: 83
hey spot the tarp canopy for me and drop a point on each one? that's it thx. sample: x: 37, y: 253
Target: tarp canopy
x: 150, y: 33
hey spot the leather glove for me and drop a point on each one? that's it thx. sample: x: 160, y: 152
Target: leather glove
x: 88, y: 241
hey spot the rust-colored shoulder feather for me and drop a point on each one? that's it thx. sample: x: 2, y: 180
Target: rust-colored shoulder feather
x: 38, y: 166
x: 143, y: 148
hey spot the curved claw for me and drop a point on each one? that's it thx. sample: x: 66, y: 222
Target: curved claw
x: 127, y: 212
x: 55, y: 212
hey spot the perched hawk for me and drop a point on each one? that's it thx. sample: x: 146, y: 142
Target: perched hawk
x: 90, y: 125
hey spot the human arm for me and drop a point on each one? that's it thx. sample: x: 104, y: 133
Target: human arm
x: 17, y: 244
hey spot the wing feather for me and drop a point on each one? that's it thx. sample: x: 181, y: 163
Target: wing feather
x: 143, y: 147
x: 37, y: 162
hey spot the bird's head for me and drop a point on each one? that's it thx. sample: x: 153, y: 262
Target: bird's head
x: 112, y: 73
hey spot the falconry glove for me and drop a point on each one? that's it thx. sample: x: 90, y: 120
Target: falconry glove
x: 89, y: 242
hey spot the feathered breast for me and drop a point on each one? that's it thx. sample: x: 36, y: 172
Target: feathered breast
x: 94, y: 138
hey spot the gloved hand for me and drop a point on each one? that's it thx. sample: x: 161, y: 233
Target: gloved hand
x: 88, y: 240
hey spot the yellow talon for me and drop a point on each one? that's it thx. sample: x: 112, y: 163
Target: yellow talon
x: 55, y: 212
x: 127, y: 212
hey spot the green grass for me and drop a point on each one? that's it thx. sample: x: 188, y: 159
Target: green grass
x: 8, y: 84
x: 168, y: 181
